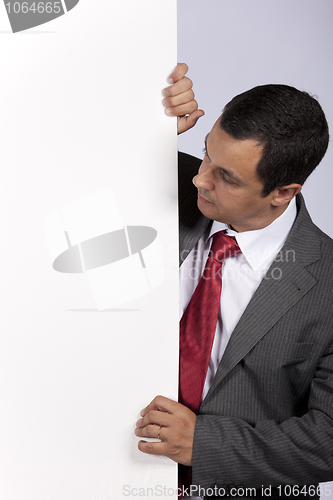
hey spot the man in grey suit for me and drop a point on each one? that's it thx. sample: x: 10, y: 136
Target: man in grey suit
x: 265, y: 427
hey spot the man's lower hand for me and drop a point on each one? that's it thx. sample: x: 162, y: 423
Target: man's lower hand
x: 171, y: 422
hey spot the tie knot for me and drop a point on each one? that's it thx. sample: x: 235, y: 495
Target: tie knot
x: 223, y: 246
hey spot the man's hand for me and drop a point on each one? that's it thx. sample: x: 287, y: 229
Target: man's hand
x: 171, y: 422
x: 179, y: 99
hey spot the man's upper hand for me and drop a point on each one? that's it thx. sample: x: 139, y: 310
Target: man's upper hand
x: 171, y: 422
x: 179, y: 99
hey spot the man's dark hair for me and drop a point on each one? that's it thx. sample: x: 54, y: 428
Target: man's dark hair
x: 290, y: 125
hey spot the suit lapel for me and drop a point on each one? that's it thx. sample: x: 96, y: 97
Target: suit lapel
x: 189, y: 238
x: 274, y: 297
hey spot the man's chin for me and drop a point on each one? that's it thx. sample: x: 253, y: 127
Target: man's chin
x: 206, y: 209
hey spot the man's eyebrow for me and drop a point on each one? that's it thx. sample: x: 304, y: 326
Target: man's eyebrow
x: 225, y: 170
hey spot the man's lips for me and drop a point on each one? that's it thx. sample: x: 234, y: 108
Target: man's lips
x: 203, y: 199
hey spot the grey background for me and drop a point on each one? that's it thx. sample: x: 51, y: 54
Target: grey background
x: 231, y: 46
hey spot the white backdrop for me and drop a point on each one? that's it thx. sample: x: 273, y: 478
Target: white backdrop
x: 81, y: 112
x: 232, y: 46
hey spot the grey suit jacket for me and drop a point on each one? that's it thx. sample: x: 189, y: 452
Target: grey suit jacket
x: 267, y: 418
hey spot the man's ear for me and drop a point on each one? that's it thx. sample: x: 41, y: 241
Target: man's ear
x: 285, y: 194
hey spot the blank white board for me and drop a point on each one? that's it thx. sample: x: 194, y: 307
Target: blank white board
x: 82, y: 122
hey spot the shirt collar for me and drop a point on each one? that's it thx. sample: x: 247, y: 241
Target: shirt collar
x: 261, y: 244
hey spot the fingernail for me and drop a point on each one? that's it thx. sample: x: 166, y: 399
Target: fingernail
x: 165, y: 92
x: 168, y: 111
x: 138, y: 422
x: 170, y: 80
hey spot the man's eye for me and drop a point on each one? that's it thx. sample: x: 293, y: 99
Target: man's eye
x: 224, y: 178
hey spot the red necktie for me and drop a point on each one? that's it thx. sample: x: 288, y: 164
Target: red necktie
x: 198, y: 324
x: 197, y: 331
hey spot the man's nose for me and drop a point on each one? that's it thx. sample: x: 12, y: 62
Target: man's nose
x: 203, y: 179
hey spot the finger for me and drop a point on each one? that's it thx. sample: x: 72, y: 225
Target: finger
x: 194, y: 117
x: 159, y: 448
x: 159, y: 418
x: 183, y: 98
x: 151, y: 431
x: 177, y: 88
x: 187, y: 122
x: 183, y: 109
x: 178, y: 73
x: 161, y: 404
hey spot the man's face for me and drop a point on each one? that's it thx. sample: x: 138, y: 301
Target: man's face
x: 229, y: 188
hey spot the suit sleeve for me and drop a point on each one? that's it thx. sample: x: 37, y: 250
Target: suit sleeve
x: 297, y: 451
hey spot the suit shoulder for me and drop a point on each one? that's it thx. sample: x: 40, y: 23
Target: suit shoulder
x: 187, y: 161
x: 309, y: 238
x: 325, y: 238
x: 326, y: 241
x: 326, y: 249
x: 323, y: 267
x: 188, y: 167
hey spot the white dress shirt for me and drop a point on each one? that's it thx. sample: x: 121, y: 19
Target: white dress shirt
x: 241, y: 276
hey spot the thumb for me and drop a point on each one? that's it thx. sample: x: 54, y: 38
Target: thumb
x: 187, y: 122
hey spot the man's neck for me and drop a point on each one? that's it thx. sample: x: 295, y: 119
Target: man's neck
x: 260, y: 224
